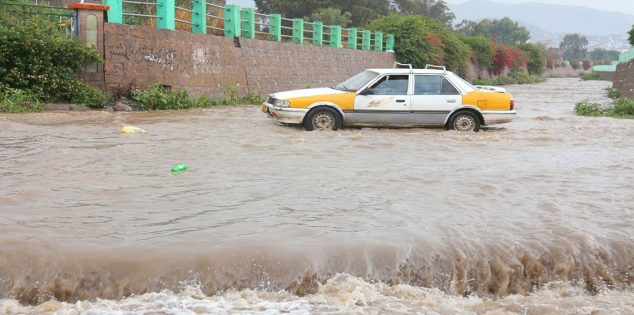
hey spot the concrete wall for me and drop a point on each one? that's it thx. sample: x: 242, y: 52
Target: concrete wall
x: 624, y: 79
x: 204, y: 64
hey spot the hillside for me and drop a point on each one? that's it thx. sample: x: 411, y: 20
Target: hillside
x: 551, y: 18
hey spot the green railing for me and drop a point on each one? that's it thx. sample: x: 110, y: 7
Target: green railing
x: 623, y: 58
x: 202, y: 17
x: 65, y: 18
x: 627, y: 56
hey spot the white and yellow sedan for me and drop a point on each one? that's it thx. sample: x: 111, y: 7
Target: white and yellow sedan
x: 394, y: 98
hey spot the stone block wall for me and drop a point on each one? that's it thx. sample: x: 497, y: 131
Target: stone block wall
x: 136, y: 57
x: 624, y: 79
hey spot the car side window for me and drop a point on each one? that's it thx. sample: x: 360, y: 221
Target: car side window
x: 433, y: 85
x: 391, y: 85
x: 428, y: 85
x: 448, y: 88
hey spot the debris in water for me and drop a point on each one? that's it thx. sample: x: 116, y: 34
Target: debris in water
x: 132, y: 129
x: 179, y: 168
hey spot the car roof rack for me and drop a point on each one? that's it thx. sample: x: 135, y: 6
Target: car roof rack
x: 443, y: 68
x: 398, y: 64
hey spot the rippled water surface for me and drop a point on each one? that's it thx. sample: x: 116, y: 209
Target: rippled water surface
x: 535, y: 216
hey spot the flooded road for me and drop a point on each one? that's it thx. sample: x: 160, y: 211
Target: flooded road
x: 535, y: 216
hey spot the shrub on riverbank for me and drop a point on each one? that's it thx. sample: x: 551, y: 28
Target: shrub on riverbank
x: 614, y: 94
x: 590, y: 76
x: 621, y: 108
x: 37, y: 57
x: 422, y: 41
x: 19, y: 101
x: 586, y: 108
x: 518, y: 76
x: 158, y: 97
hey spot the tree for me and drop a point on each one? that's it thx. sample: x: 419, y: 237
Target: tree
x: 535, y: 60
x: 600, y: 54
x: 503, y: 31
x: 361, y: 11
x: 466, y: 28
x: 574, y: 47
x: 482, y: 50
x: 331, y: 16
x: 631, y: 33
x: 422, y: 41
x: 435, y: 9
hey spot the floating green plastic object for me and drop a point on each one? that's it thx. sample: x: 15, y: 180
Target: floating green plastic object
x: 132, y: 129
x: 179, y: 168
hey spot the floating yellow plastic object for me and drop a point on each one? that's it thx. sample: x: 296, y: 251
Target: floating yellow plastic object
x: 179, y: 168
x: 132, y: 129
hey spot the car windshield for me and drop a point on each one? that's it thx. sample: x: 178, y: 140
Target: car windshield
x: 463, y: 81
x: 356, y: 82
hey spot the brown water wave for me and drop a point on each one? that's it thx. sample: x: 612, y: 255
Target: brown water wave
x: 86, y: 212
x: 34, y: 274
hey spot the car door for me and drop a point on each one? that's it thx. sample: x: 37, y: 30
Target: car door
x: 384, y: 103
x: 433, y: 98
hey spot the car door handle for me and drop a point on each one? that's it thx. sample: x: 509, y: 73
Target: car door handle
x: 451, y: 101
x: 400, y: 101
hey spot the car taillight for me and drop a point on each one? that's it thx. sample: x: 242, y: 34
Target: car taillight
x: 512, y: 104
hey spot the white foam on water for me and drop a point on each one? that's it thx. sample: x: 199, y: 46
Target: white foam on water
x: 344, y: 294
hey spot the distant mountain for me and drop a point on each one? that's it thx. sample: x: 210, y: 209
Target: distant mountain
x: 550, y: 18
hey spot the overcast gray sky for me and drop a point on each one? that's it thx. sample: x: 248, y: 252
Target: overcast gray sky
x: 623, y: 6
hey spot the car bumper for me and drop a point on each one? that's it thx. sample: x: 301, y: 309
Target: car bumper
x: 284, y: 114
x: 498, y: 117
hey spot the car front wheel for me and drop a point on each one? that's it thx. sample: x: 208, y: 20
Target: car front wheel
x: 465, y: 121
x: 323, y: 119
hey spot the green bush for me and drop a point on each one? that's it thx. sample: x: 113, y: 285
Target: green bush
x: 36, y: 55
x: 591, y: 76
x: 90, y: 96
x: 622, y: 107
x: 614, y: 94
x: 421, y: 41
x: 586, y: 108
x: 482, y: 50
x: 575, y: 64
x: 157, y: 97
x: 535, y: 60
x: 516, y: 76
x: 19, y: 101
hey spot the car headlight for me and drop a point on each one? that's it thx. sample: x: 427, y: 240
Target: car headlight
x: 281, y: 103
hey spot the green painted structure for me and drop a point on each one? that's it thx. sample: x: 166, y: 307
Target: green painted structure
x: 335, y: 36
x: 298, y: 31
x: 318, y: 33
x: 199, y: 16
x: 275, y: 27
x: 352, y: 38
x: 165, y: 9
x: 248, y: 23
x: 240, y: 22
x: 624, y: 57
x: 232, y: 20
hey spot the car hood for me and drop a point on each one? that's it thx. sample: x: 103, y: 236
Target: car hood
x: 306, y: 92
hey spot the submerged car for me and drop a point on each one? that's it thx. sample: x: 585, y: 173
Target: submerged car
x: 398, y: 97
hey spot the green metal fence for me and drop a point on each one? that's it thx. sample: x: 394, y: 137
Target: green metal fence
x: 623, y: 58
x: 627, y: 56
x: 202, y: 17
x: 66, y: 19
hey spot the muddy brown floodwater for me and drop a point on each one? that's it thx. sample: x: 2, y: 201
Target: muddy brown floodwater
x: 532, y: 217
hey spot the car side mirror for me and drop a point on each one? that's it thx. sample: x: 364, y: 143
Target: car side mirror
x: 367, y: 91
